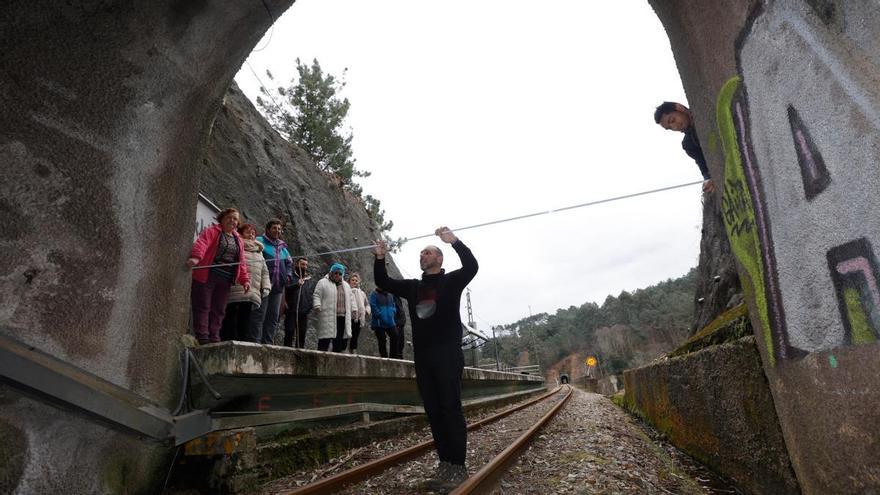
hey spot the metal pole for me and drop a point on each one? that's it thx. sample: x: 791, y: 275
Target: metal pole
x: 495, y: 342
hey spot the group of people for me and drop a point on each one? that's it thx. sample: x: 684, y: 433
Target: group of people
x: 243, y: 283
x: 228, y: 268
x: 254, y: 276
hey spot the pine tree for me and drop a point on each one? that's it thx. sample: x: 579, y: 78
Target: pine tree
x: 311, y: 115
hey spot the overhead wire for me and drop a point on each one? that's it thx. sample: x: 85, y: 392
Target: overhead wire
x: 565, y: 208
x: 262, y: 85
x: 271, y: 28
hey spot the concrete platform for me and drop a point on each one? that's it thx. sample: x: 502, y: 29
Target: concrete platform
x: 253, y: 377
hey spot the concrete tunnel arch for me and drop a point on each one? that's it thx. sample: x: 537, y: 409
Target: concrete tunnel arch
x: 107, y: 109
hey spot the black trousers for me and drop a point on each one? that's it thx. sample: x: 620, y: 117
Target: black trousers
x: 355, y: 333
x: 401, y: 341
x: 339, y: 342
x: 295, y: 327
x: 236, y: 322
x: 438, y: 376
x: 389, y: 335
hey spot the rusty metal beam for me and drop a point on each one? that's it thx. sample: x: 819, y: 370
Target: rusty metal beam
x: 243, y: 419
x: 228, y: 421
x: 53, y: 380
x: 50, y: 379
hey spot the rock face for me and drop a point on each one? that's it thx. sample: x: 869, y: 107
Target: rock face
x: 249, y: 166
x: 718, y: 286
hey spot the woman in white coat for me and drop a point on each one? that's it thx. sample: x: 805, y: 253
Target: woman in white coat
x: 335, y: 307
x: 363, y: 311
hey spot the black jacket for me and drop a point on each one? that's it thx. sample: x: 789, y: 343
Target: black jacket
x: 399, y: 313
x: 691, y: 146
x: 303, y: 293
x: 434, y: 302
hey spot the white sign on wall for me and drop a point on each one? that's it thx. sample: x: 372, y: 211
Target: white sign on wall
x: 205, y: 213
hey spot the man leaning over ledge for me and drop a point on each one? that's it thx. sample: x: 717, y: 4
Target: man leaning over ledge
x: 677, y: 117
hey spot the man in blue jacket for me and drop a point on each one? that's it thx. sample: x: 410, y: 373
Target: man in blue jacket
x: 280, y: 273
x: 434, y: 303
x: 383, y: 322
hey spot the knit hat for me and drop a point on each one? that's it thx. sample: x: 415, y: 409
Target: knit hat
x: 338, y: 267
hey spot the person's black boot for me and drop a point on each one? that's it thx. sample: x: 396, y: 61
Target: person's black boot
x: 454, y: 475
x: 433, y: 483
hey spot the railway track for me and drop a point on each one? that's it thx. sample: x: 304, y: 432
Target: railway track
x: 479, y: 482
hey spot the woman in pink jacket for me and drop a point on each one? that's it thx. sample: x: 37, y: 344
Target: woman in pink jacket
x: 221, y: 245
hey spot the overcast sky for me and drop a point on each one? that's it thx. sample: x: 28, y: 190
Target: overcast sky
x: 467, y: 112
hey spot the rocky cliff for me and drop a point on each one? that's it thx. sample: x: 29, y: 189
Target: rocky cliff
x: 718, y: 286
x: 249, y: 166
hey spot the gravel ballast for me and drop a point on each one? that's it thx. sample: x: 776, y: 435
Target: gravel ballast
x: 590, y: 447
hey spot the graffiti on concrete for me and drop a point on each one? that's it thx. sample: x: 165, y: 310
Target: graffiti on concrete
x: 800, y: 130
x: 744, y: 217
x: 736, y: 208
x: 854, y: 271
x: 813, y: 171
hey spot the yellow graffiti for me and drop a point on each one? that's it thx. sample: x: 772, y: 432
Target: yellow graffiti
x: 861, y: 330
x: 738, y: 211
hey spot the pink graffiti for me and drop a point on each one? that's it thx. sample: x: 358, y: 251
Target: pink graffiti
x: 764, y: 235
x: 805, y: 150
x: 860, y: 264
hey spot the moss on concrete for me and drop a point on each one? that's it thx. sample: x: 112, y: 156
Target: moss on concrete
x: 715, y: 404
x: 127, y: 473
x: 13, y: 456
x: 118, y: 474
x: 730, y: 326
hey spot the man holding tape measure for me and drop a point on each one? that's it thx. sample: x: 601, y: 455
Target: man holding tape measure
x: 434, y: 303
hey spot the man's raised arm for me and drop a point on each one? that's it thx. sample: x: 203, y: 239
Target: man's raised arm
x: 380, y: 273
x: 469, y: 265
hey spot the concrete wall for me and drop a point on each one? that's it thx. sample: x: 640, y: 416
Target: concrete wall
x: 715, y: 405
x: 607, y: 385
x: 797, y: 122
x: 257, y: 377
x: 106, y: 110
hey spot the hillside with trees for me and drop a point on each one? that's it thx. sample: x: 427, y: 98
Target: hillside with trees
x: 625, y: 331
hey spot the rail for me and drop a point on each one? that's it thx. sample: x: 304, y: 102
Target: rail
x: 479, y: 481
